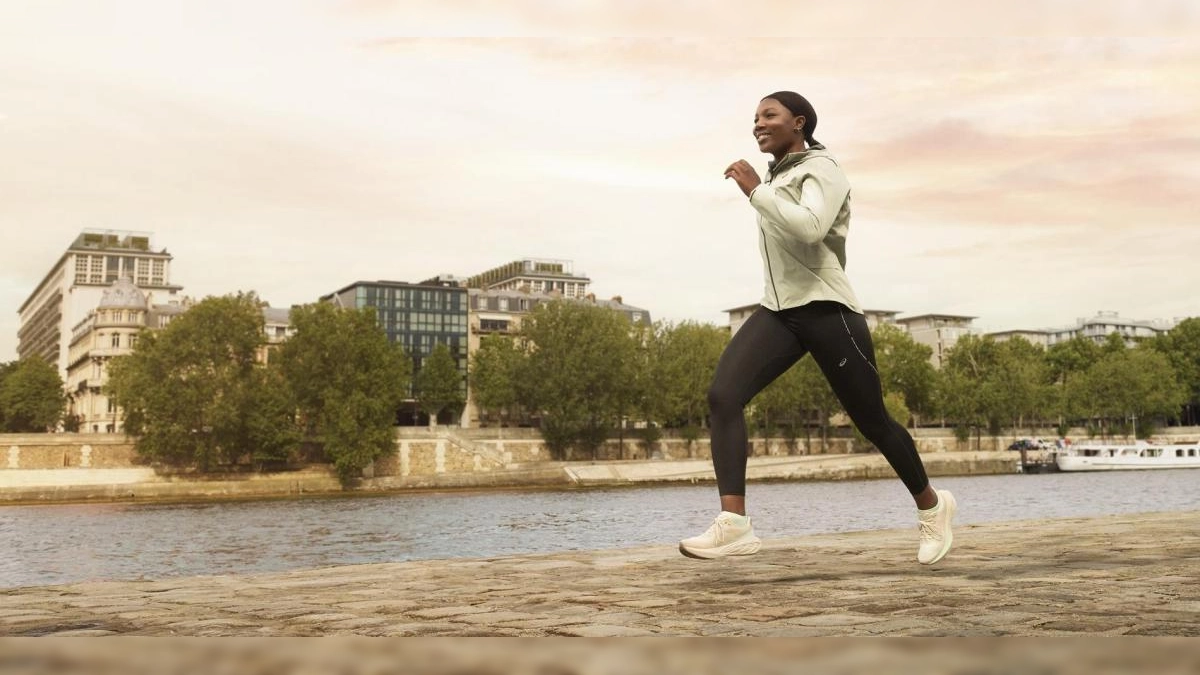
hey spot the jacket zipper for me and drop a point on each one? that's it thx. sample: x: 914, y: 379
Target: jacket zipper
x: 767, y: 253
x: 770, y: 273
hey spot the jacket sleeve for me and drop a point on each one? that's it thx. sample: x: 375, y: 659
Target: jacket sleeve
x: 804, y: 209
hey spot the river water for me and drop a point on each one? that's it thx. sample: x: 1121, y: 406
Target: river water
x: 57, y: 544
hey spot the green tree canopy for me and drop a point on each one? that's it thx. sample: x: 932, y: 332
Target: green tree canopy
x: 1071, y: 357
x: 439, y: 384
x: 905, y: 368
x: 1134, y: 382
x: 1181, y: 345
x: 969, y: 394
x: 796, y: 400
x: 994, y: 385
x: 1021, y: 384
x: 494, y: 374
x: 348, y: 381
x: 194, y: 392
x: 31, y: 396
x: 680, y: 368
x: 580, y: 372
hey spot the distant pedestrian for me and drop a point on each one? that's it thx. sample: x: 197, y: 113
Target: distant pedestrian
x: 808, y: 307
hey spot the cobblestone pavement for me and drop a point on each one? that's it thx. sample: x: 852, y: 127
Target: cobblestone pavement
x: 1117, y: 575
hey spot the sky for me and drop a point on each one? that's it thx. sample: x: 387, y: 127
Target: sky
x: 1025, y: 168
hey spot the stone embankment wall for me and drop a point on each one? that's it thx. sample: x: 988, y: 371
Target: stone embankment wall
x: 66, y: 451
x: 67, y: 467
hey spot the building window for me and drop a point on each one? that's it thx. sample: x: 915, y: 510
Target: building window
x: 96, y: 269
x: 503, y: 304
x: 636, y: 316
x: 116, y: 339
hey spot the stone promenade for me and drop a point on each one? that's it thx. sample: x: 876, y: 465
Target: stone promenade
x: 1119, y: 575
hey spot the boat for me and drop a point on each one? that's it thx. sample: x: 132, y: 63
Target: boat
x: 1139, y: 455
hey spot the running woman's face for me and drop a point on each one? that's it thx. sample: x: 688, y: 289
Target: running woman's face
x: 775, y: 128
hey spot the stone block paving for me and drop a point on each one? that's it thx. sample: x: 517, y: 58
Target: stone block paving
x: 1107, y: 576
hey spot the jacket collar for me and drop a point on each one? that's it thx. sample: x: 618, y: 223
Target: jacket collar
x: 791, y: 159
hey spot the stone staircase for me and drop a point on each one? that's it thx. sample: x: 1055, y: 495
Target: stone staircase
x: 492, y: 456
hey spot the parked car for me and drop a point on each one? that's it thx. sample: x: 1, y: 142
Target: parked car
x: 1029, y: 444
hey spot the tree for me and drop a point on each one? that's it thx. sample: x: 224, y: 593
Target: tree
x: 972, y: 391
x: 782, y: 405
x: 193, y: 393
x: 680, y: 369
x: 1114, y: 343
x: 439, y: 384
x: 1021, y: 384
x: 1072, y: 357
x: 1066, y: 361
x: 579, y: 373
x: 348, y: 381
x: 267, y: 416
x: 494, y: 373
x: 796, y: 400
x: 1181, y: 346
x: 1122, y: 386
x: 6, y: 369
x: 957, y: 399
x: 904, y: 368
x: 31, y: 396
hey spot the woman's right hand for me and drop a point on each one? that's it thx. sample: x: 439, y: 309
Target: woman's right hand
x: 744, y: 175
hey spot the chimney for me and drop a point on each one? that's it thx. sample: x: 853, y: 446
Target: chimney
x: 590, y: 297
x: 617, y: 299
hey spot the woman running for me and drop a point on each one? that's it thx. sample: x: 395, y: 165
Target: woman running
x: 808, y: 307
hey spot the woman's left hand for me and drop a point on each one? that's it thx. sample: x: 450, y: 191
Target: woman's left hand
x: 744, y: 175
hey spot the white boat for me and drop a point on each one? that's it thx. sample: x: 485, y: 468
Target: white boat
x: 1139, y: 455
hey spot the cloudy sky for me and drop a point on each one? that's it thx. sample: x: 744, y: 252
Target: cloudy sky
x: 1000, y: 169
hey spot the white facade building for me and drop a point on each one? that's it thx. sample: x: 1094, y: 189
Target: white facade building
x: 75, y: 285
x: 1098, y: 327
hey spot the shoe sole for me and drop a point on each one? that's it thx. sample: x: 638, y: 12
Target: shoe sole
x: 953, y: 506
x: 737, y: 548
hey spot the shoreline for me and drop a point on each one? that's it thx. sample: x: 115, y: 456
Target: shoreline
x: 1131, y: 574
x: 83, y: 486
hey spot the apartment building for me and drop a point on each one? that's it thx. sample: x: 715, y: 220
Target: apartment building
x: 1097, y: 328
x: 939, y: 331
x: 1040, y: 338
x: 111, y: 330
x: 534, y: 275
x: 76, y: 283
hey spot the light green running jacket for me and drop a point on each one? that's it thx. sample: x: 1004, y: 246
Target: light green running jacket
x: 803, y: 218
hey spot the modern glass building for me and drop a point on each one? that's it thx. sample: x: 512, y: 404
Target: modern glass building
x: 417, y: 317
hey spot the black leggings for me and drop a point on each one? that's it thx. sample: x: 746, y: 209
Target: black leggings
x: 771, y: 342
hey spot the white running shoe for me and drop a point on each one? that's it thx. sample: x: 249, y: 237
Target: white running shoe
x: 936, y: 537
x: 730, y: 534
